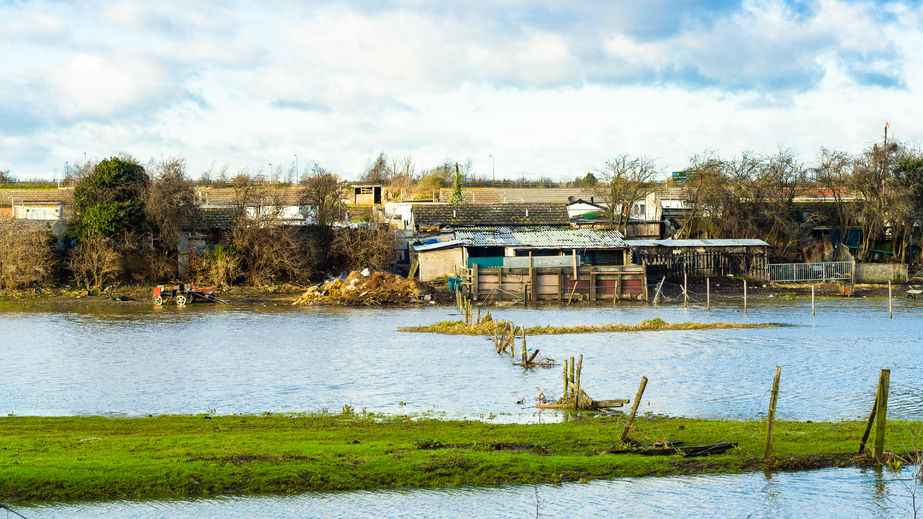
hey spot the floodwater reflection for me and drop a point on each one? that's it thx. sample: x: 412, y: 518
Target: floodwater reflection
x: 821, y: 493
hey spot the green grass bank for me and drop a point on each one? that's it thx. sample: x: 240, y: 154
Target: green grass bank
x: 98, y: 458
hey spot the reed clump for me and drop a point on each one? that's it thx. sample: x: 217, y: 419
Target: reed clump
x: 489, y: 327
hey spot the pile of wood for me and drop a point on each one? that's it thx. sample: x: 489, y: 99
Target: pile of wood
x: 574, y: 396
x: 363, y: 289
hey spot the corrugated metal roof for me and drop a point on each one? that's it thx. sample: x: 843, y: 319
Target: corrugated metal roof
x: 740, y: 242
x: 541, y: 238
x: 439, y: 245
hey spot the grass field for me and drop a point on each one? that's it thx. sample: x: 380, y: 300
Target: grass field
x: 98, y: 458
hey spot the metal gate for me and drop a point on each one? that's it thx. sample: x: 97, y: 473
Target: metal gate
x: 825, y: 271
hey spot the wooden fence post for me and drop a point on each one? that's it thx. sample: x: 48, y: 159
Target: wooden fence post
x: 745, y: 295
x: 813, y: 307
x: 772, y: 412
x: 475, y: 281
x: 881, y: 415
x: 634, y: 410
x: 708, y: 293
x: 564, y: 364
x: 685, y: 290
x: 890, y: 303
x: 577, y: 382
x: 871, y: 420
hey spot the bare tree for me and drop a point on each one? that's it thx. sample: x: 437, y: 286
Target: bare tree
x: 378, y: 172
x: 268, y: 249
x: 323, y: 195
x: 371, y: 247
x: 171, y: 203
x: 626, y: 180
x: 834, y: 175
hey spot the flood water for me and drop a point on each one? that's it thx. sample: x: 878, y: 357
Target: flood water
x: 111, y: 359
x: 133, y: 360
x: 838, y: 493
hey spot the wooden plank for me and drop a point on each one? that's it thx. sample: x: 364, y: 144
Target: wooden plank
x: 475, y: 282
x: 499, y: 283
x: 592, y: 287
x: 560, y: 285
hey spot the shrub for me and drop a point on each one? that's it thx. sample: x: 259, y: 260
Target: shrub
x: 26, y: 254
x: 95, y: 262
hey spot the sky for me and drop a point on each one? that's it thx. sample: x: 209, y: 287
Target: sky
x: 545, y: 87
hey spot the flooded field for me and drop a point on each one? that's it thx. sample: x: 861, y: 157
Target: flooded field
x: 823, y: 493
x: 112, y: 359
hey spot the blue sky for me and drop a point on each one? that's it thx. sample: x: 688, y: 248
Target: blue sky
x: 548, y: 87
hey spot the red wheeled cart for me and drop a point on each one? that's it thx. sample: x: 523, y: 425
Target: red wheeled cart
x: 183, y: 294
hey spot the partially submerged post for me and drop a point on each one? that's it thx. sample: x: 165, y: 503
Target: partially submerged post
x: 774, y: 397
x: 577, y: 382
x: 566, y: 380
x: 634, y: 410
x: 881, y: 418
x: 813, y: 308
x: 685, y: 290
x: 745, y: 294
x: 890, y: 302
x: 574, y: 397
x: 708, y: 293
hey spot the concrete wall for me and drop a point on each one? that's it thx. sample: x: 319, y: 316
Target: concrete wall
x: 881, y: 272
x: 438, y: 263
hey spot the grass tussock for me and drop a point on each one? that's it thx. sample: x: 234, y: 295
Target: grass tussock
x: 656, y: 324
x: 44, y: 459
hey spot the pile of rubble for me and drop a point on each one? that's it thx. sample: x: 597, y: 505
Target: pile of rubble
x: 363, y: 289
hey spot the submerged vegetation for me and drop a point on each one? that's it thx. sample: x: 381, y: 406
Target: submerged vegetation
x: 656, y: 324
x: 46, y: 459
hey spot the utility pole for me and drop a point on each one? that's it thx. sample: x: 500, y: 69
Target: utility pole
x: 493, y: 168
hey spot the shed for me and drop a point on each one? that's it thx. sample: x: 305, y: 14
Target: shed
x: 701, y: 258
x: 518, y: 247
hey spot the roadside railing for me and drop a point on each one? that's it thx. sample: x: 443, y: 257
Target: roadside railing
x: 822, y: 271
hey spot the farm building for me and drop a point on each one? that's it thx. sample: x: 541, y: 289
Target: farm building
x: 701, y: 258
x: 534, y: 263
x: 439, y: 217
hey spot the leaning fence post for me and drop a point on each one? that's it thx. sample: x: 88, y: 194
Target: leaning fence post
x: 871, y: 420
x: 774, y: 397
x: 881, y: 416
x: 634, y: 409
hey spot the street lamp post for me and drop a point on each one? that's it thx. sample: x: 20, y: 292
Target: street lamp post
x: 493, y: 168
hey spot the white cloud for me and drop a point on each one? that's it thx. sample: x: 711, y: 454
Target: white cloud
x: 335, y: 83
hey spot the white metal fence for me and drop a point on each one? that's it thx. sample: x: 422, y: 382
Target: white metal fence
x: 826, y: 271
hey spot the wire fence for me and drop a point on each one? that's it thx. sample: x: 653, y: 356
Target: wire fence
x: 825, y: 271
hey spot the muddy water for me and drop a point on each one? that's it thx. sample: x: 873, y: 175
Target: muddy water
x: 825, y: 493
x: 113, y: 359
